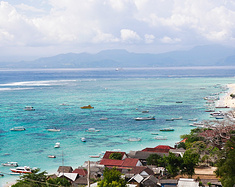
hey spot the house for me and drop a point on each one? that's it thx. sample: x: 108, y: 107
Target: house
x: 143, y: 155
x: 108, y: 153
x: 96, y: 169
x: 182, y: 182
x: 81, y: 172
x: 65, y: 169
x: 149, y: 181
x: 179, y: 151
x: 127, y: 163
x: 81, y: 181
x: 168, y: 182
x: 71, y: 177
x: 142, y: 170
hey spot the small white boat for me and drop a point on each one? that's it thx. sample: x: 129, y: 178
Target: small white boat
x: 160, y: 138
x: 24, y: 169
x: 194, y: 119
x: 94, y: 156
x: 154, y: 133
x: 179, y: 118
x: 145, y: 118
x: 134, y: 139
x: 29, y: 108
x: 92, y: 130
x: 51, y: 156
x: 145, y: 111
x: 53, y: 130
x: 17, y: 129
x: 57, y: 145
x: 171, y: 119
x: 83, y: 139
x: 103, y: 119
x: 11, y: 164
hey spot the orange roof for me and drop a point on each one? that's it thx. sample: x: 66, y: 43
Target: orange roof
x: 110, y: 162
x: 130, y: 162
x: 184, y: 140
x: 108, y: 153
x: 163, y: 147
x: 81, y: 172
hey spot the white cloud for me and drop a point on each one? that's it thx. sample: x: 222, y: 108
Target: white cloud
x: 169, y: 40
x: 128, y: 35
x: 70, y: 24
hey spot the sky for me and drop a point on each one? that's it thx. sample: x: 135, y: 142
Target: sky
x: 30, y: 29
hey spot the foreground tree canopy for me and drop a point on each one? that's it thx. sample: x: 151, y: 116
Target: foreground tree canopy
x: 112, y: 178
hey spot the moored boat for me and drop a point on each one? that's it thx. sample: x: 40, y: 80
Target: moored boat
x: 29, y: 108
x: 51, y: 156
x: 134, y: 139
x: 94, y: 156
x: 53, y: 130
x: 194, y: 119
x: 57, y: 145
x: 167, y: 129
x: 11, y: 164
x: 87, y: 107
x: 17, y: 129
x: 83, y: 139
x: 160, y: 138
x: 145, y: 118
x: 92, y: 130
x: 24, y: 169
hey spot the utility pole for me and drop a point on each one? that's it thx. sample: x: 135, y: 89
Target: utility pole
x: 88, y: 174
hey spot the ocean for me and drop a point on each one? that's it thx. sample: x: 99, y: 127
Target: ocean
x: 118, y: 96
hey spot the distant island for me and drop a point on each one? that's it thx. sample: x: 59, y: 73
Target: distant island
x: 210, y: 55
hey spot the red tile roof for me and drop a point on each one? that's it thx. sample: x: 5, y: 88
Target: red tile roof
x: 81, y: 172
x: 139, y: 169
x: 108, y: 153
x: 128, y: 162
x: 158, y: 149
x: 163, y: 147
x: 110, y: 162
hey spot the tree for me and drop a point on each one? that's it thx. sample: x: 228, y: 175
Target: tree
x: 115, y: 156
x: 190, y: 160
x: 232, y: 95
x: 112, y: 178
x: 226, y: 165
x: 34, y: 179
x: 173, y: 164
x: 155, y: 159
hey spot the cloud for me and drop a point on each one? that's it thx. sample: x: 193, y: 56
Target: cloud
x: 128, y: 35
x: 70, y: 24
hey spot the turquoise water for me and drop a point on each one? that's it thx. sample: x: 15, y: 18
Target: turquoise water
x: 118, y: 96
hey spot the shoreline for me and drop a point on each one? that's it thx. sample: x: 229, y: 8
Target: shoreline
x: 226, y: 100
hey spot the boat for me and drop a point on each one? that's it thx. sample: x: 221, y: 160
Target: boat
x: 1, y: 175
x: 83, y: 139
x: 145, y: 111
x: 29, y: 108
x: 179, y: 101
x: 87, y: 107
x: 53, y: 130
x: 194, y: 119
x: 94, y: 156
x: 222, y: 107
x: 145, y: 118
x: 154, y: 133
x: 219, y: 117
x: 160, y: 138
x: 167, y: 129
x: 171, y: 119
x: 57, y: 145
x: 92, y: 130
x: 134, y: 139
x: 51, y: 156
x: 24, y: 169
x: 179, y: 118
x: 11, y: 164
x: 17, y: 129
x: 103, y: 119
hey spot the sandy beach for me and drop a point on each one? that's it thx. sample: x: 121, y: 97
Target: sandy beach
x: 227, y: 100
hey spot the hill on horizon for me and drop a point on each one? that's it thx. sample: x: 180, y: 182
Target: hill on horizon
x: 211, y: 55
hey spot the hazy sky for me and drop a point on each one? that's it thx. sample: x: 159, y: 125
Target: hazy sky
x: 34, y: 28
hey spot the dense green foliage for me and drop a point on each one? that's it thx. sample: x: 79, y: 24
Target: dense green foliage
x: 112, y: 178
x: 173, y: 164
x: 226, y: 165
x: 155, y: 159
x: 36, y: 179
x: 190, y: 160
x: 115, y: 156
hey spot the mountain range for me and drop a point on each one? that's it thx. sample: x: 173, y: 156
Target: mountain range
x: 210, y: 55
